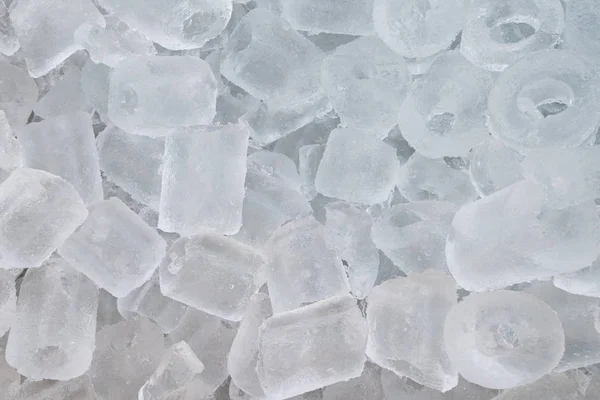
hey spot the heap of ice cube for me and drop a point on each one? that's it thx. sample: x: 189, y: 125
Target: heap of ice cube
x: 299, y: 199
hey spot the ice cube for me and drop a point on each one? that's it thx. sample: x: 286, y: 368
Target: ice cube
x: 552, y: 386
x: 73, y: 389
x: 582, y: 27
x: 8, y: 298
x: 203, y: 180
x: 150, y: 95
x: 212, y: 273
x: 108, y: 313
x: 357, y: 168
x: 585, y: 282
x: 9, y: 43
x: 65, y: 146
x: 19, y: 94
x: 324, y: 343
x: 65, y: 96
x: 53, y: 335
x: 366, y: 386
x: 309, y: 158
x: 95, y: 83
x: 406, y: 317
x: 38, y: 211
x: 9, y: 377
x: 10, y: 148
x: 114, y: 248
x: 352, y: 17
x: 503, y: 339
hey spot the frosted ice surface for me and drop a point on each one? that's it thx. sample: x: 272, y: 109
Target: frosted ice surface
x: 134, y: 162
x: 585, y: 282
x: 309, y: 158
x: 302, y: 268
x: 413, y: 235
x: 65, y: 96
x: 19, y: 94
x: 203, y: 180
x: 10, y: 149
x: 38, y: 211
x: 150, y: 95
x: 174, y: 24
x: 545, y: 100
x: 114, y: 248
x: 73, y: 389
x: 513, y: 236
x: 348, y: 232
x: 582, y: 27
x: 10, y: 379
x: 406, y: 317
x: 422, y: 178
x: 126, y: 355
x: 315, y: 132
x: 503, y: 339
x: 499, y: 33
x: 353, y: 17
x: 366, y: 386
x: 357, y: 167
x: 444, y: 112
x: 243, y: 356
x: 65, y: 146
x: 9, y: 43
x: 54, y: 332
x: 95, y: 83
x: 212, y: 273
x: 366, y: 83
x: 324, y: 343
x: 8, y: 298
x: 419, y: 28
x: 108, y: 313
x: 550, y: 387
x: 175, y: 376
x: 55, y: 22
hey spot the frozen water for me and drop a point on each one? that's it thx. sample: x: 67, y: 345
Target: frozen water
x: 114, y: 248
x: 10, y: 379
x: 64, y: 97
x: 419, y: 28
x: 73, y: 389
x: 348, y: 232
x: 38, y: 211
x: 65, y: 146
x: 413, y: 235
x: 174, y: 24
x: 499, y: 33
x: 406, y: 317
x: 133, y: 162
x: 357, y: 167
x: 585, y: 281
x: 302, y: 268
x: 10, y: 149
x: 353, y: 17
x: 323, y: 343
x: 46, y: 30
x: 151, y: 95
x: 203, y: 180
x: 422, y: 178
x: 503, y: 339
x: 212, y: 273
x: 444, y: 112
x: 545, y: 100
x: 315, y: 132
x: 18, y: 94
x: 126, y: 355
x: 53, y: 335
x: 175, y: 376
x: 108, y: 313
x: 243, y: 356
x: 366, y: 386
x: 309, y: 158
x: 366, y: 83
x: 582, y: 27
x: 551, y: 387
x: 513, y: 236
x: 9, y: 42
x: 95, y: 83
x: 8, y: 298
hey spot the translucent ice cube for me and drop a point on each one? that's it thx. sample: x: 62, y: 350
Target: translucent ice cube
x: 8, y: 298
x: 19, y: 94
x: 10, y: 149
x: 585, y: 281
x: 352, y: 17
x: 64, y: 97
x: 366, y: 386
x: 9, y: 43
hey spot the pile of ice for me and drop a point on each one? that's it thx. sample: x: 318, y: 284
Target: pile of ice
x: 307, y: 199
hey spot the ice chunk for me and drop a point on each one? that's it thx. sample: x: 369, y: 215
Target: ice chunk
x: 175, y: 24
x: 582, y: 27
x: 406, y: 317
x: 9, y: 377
x: 10, y: 149
x: 73, y: 389
x: 499, y: 33
x: 64, y: 97
x: 151, y: 95
x: 114, y: 248
x: 422, y: 178
x: 309, y: 158
x: 65, y: 146
x: 348, y: 232
x: 133, y: 162
x: 352, y: 17
x: 8, y: 299
x: 545, y: 100
x: 552, y: 386
x: 503, y: 339
x: 212, y: 273
x: 585, y: 281
x: 38, y: 211
x: 95, y: 83
x: 148, y: 301
x: 19, y: 94
x: 54, y: 331
x: 9, y: 43
x: 413, y: 235
x: 494, y: 166
x: 315, y: 132
x: 45, y: 30
x: 203, y: 180
x: 324, y: 343
x: 419, y: 28
x: 357, y: 168
x: 175, y: 375
x: 512, y: 236
x: 126, y: 355
x: 108, y: 313
x: 243, y: 356
x: 366, y: 82
x: 366, y: 386
x: 303, y: 269
x: 444, y: 113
